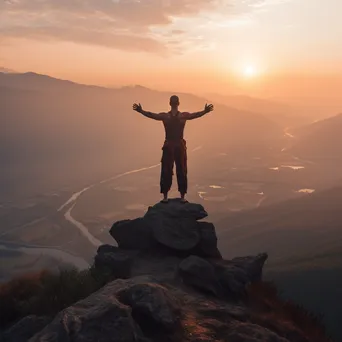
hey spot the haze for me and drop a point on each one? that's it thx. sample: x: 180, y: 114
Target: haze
x: 266, y: 164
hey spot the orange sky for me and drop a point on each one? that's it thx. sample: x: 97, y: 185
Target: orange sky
x: 260, y: 47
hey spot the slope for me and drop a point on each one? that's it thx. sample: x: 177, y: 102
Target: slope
x: 319, y: 140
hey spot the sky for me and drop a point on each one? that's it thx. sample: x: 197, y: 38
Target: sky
x: 263, y: 47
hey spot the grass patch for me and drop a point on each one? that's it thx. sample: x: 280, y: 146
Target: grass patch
x: 46, y: 293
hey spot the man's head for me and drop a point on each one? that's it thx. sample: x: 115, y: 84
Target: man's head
x: 174, y: 101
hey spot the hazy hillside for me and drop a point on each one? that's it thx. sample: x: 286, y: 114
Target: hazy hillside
x: 302, y: 228
x: 249, y: 103
x: 321, y: 139
x: 280, y: 112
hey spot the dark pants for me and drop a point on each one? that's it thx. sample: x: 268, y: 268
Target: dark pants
x: 174, y: 153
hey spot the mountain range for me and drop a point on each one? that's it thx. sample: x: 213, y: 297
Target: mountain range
x: 49, y: 122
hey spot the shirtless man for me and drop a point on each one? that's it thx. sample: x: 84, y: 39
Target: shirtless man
x: 174, y: 148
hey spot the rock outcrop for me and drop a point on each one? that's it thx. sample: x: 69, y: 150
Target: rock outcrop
x: 172, y: 286
x: 173, y: 225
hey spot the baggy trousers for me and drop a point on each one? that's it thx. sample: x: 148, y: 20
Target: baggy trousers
x: 174, y: 152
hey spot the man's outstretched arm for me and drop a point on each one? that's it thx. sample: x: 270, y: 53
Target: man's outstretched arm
x: 207, y: 109
x: 154, y: 116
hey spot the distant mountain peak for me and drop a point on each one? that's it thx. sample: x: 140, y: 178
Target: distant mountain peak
x: 135, y: 87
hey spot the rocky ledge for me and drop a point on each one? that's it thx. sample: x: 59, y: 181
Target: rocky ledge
x: 172, y: 285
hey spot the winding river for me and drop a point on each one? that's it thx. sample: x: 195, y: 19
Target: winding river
x: 72, y: 201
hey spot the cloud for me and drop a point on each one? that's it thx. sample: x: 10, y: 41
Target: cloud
x: 132, y: 13
x: 122, y: 24
x: 80, y: 35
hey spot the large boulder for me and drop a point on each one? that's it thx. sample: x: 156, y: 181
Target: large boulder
x: 27, y: 327
x: 132, y: 234
x: 152, y: 305
x: 222, y: 278
x: 172, y: 227
x: 180, y: 234
x: 114, y: 261
x: 200, y: 274
x: 236, y: 274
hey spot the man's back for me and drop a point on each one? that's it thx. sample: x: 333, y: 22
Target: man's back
x: 174, y: 126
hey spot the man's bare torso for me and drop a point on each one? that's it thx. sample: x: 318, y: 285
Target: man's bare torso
x: 174, y: 124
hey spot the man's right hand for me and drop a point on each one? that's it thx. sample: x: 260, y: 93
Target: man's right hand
x: 208, y: 108
x: 137, y: 107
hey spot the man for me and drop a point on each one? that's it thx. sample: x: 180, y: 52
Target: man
x: 174, y: 148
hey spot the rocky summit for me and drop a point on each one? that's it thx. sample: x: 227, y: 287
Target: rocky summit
x: 171, y: 285
x: 172, y: 227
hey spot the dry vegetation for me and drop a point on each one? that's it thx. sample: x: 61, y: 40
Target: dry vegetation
x: 284, y: 317
x: 46, y: 293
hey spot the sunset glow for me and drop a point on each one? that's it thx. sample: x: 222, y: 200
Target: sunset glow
x: 115, y: 43
x: 249, y: 71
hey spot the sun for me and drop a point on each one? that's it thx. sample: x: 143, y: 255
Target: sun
x: 249, y: 71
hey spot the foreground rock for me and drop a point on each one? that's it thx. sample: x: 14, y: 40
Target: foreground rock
x: 100, y: 317
x: 152, y: 305
x: 120, y: 312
